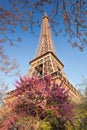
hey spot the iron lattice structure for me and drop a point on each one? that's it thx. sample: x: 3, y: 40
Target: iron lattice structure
x: 45, y: 61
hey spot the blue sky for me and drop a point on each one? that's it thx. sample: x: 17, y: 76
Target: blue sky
x: 75, y: 61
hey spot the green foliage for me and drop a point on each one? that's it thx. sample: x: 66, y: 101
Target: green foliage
x: 45, y: 125
x: 28, y: 122
x: 80, y: 118
x: 53, y: 120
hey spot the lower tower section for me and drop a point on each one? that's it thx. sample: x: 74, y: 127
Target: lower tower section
x: 46, y: 64
x: 50, y: 64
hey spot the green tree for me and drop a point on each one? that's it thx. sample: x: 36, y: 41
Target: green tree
x: 80, y: 121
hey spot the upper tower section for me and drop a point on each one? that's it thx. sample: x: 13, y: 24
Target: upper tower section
x: 45, y: 41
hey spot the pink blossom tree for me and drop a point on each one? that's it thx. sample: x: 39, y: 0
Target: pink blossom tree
x: 38, y: 100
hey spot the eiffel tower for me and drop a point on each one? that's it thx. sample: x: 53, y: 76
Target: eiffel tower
x: 47, y: 62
